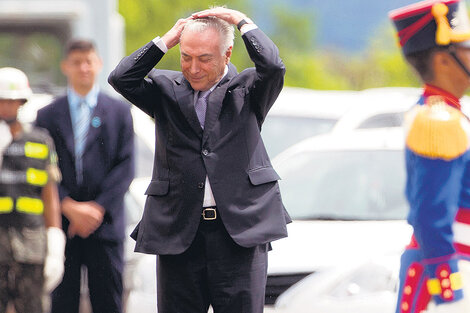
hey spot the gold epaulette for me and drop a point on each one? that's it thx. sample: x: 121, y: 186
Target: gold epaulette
x: 438, y: 131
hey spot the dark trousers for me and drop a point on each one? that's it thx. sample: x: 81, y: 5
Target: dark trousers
x: 104, y: 262
x: 213, y: 271
x: 22, y: 285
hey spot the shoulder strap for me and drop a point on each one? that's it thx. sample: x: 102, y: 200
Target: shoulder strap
x: 438, y: 132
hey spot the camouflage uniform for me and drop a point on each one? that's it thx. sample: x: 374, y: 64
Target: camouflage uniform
x: 29, y: 162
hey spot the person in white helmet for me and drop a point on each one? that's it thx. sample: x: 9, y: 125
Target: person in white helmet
x: 31, y: 239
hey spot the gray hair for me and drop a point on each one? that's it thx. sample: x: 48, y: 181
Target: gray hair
x: 224, y: 29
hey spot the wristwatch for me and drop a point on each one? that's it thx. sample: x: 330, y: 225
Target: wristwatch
x: 241, y: 23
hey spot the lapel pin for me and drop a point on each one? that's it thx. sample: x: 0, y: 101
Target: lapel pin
x: 96, y: 122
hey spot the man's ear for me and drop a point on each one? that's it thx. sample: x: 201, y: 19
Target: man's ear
x: 228, y: 54
x: 442, y: 61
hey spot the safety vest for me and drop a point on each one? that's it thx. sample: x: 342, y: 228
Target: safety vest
x: 23, y: 175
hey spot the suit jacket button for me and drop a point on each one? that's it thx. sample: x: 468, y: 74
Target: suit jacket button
x: 200, y: 185
x: 205, y: 152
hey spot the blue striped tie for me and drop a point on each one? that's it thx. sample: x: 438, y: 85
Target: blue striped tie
x: 201, y: 106
x: 82, y: 123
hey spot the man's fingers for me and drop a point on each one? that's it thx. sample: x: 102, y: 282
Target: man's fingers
x: 225, y: 14
x: 172, y: 37
x: 206, y: 13
x: 180, y: 23
x: 71, y: 232
x: 82, y: 230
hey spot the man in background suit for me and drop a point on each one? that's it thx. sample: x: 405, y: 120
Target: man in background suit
x: 213, y: 203
x: 93, y: 134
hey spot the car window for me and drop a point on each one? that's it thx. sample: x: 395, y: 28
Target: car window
x: 383, y: 120
x: 281, y: 132
x: 344, y: 185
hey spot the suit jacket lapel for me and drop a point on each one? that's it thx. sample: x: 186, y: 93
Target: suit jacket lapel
x: 215, y: 100
x: 214, y: 106
x: 185, y: 98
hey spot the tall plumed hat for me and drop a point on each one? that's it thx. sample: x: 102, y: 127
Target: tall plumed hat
x: 431, y: 23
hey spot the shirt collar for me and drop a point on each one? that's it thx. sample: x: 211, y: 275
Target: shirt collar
x: 450, y: 99
x: 91, y: 99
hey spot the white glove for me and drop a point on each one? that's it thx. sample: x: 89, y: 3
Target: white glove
x: 5, y: 138
x: 54, y: 263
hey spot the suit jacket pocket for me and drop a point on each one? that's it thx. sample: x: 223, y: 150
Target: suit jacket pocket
x: 263, y: 175
x: 158, y: 188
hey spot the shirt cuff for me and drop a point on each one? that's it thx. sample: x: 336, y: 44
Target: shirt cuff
x: 160, y: 44
x: 247, y: 27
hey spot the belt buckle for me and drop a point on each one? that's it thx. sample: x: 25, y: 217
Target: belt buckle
x: 209, y: 218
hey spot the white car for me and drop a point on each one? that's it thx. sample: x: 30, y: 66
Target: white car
x: 365, y: 287
x: 345, y: 194
x: 301, y: 113
x: 378, y: 107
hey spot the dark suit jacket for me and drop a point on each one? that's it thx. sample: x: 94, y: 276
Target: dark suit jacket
x: 229, y: 149
x: 108, y: 159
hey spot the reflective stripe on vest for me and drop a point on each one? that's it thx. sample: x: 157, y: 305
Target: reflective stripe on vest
x: 36, y: 150
x: 36, y: 177
x: 6, y: 204
x: 29, y: 205
x: 23, y: 204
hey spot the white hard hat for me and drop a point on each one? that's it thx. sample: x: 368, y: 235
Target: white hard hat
x: 14, y: 84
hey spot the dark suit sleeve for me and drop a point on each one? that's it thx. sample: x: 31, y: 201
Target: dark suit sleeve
x: 42, y: 121
x: 270, y: 71
x: 119, y: 178
x: 129, y: 77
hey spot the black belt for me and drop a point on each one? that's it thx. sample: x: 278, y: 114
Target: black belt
x: 209, y: 213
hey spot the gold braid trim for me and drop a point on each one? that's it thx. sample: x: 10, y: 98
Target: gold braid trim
x: 438, y: 131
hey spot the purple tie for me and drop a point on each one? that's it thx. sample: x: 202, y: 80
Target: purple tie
x: 201, y: 106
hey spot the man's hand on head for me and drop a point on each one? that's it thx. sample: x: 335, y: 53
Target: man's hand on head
x: 230, y: 16
x: 172, y: 37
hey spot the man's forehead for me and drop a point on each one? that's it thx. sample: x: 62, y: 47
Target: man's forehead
x: 196, y: 44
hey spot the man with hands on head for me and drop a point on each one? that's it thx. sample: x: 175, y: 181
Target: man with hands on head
x: 214, y: 203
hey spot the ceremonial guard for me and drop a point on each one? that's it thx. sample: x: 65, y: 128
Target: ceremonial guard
x: 31, y: 240
x: 435, y: 273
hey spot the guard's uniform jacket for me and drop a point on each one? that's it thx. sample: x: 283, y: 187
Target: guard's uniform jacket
x: 28, y: 164
x: 438, y: 191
